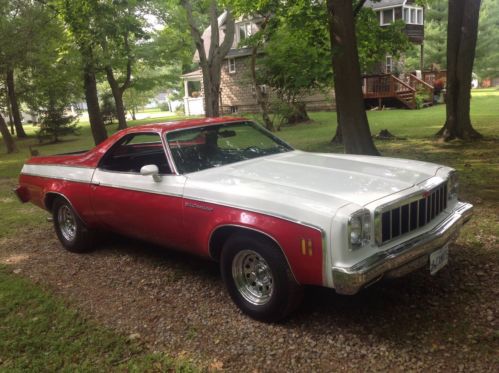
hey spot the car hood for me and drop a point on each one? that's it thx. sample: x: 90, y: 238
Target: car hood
x: 309, y: 182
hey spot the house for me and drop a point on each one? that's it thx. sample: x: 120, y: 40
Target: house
x: 389, y: 11
x: 385, y: 87
x: 389, y: 84
x: 237, y: 89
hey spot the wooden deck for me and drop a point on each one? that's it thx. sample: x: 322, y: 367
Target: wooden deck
x: 389, y: 88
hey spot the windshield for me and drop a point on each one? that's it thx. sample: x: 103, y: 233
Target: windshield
x: 199, y: 148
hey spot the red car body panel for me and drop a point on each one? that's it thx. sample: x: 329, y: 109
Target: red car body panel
x: 170, y: 220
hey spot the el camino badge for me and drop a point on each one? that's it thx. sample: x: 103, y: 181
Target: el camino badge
x: 196, y: 206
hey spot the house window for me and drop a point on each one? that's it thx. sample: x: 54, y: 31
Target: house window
x: 244, y: 31
x: 389, y: 64
x: 387, y: 16
x: 232, y: 65
x: 413, y: 16
x: 233, y: 109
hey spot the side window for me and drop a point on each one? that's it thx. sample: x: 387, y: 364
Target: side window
x: 133, y: 152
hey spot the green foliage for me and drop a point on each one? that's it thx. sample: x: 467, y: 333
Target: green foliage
x: 487, y: 51
x: 51, y: 77
x: 20, y: 21
x: 55, y: 122
x: 375, y: 42
x: 292, y: 66
x: 435, y: 47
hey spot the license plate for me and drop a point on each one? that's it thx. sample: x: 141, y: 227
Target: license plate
x: 439, y: 259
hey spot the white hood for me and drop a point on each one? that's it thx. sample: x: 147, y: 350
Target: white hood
x: 306, y: 186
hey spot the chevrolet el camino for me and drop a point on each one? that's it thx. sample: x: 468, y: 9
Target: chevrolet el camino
x: 275, y: 218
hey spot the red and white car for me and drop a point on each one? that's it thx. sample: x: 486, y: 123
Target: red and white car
x: 274, y: 217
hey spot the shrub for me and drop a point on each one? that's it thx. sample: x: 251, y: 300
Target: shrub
x: 55, y: 122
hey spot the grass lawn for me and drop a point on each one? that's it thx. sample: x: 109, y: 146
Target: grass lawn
x: 37, y: 332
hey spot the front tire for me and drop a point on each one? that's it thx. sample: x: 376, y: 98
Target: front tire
x: 70, y: 229
x: 258, y: 278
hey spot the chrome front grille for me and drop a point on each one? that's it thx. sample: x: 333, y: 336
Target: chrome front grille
x: 408, y: 215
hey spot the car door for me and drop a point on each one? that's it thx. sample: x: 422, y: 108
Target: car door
x: 137, y: 205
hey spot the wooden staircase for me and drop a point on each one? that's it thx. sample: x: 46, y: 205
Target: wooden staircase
x: 387, y: 87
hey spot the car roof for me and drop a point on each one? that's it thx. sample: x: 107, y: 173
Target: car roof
x: 186, y: 123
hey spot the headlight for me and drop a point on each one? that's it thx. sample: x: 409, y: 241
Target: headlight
x: 359, y: 229
x: 452, y: 185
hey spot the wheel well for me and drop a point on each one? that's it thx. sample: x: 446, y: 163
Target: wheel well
x: 220, y: 236
x: 50, y: 199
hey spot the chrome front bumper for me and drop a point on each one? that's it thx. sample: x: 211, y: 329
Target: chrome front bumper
x: 403, y: 258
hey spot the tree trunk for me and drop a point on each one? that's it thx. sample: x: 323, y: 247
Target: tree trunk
x: 10, y: 145
x: 211, y: 87
x: 347, y: 80
x: 211, y: 64
x: 118, y: 98
x: 262, y: 99
x: 462, y: 31
x: 299, y: 113
x: 16, y: 114
x: 99, y: 132
x: 338, y: 136
x: 11, y: 119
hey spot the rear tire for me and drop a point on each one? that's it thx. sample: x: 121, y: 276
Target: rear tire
x: 258, y: 278
x: 70, y: 229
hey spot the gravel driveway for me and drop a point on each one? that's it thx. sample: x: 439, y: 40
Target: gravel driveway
x: 177, y: 304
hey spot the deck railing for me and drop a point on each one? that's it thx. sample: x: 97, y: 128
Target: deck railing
x: 421, y: 86
x: 387, y: 86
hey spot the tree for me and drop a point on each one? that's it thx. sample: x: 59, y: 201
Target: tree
x: 487, y: 53
x: 294, y: 67
x: 352, y: 118
x: 49, y: 81
x: 55, y: 122
x: 120, y: 30
x: 10, y: 145
x: 462, y: 31
x: 435, y: 35
x: 81, y: 18
x: 19, y: 20
x: 211, y: 63
x: 375, y: 43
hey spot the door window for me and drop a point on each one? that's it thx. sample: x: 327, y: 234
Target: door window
x: 134, y: 151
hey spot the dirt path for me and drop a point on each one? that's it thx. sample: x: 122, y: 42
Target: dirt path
x: 178, y: 304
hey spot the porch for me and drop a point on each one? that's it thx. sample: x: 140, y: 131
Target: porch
x: 409, y: 91
x: 193, y: 96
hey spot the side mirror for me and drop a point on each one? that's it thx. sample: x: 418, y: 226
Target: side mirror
x: 151, y: 169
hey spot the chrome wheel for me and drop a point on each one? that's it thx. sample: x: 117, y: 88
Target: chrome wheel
x: 67, y: 222
x: 252, y: 277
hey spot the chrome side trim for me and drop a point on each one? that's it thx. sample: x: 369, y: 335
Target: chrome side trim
x: 56, y: 164
x: 56, y: 178
x: 349, y: 280
x: 258, y: 211
x: 139, y: 190
x: 254, y: 230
